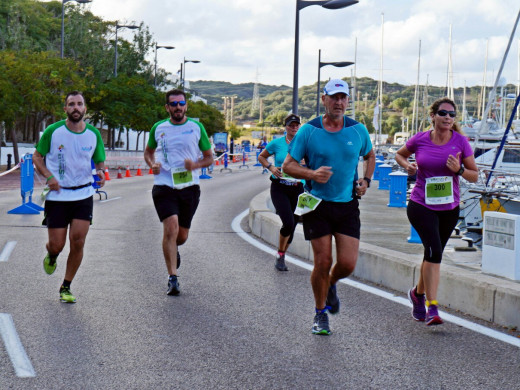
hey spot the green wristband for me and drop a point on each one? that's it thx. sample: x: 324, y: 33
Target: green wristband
x: 49, y: 178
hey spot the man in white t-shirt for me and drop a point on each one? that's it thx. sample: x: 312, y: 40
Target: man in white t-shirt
x: 69, y: 147
x: 172, y: 152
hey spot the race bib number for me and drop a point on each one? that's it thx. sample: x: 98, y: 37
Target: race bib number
x: 306, y: 203
x: 181, y: 178
x: 439, y: 190
x: 288, y: 178
x: 43, y: 195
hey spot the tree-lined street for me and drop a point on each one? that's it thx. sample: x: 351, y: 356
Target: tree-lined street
x: 238, y: 323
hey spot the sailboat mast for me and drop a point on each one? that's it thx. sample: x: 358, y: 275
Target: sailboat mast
x: 464, y: 104
x: 415, y: 112
x: 483, y: 90
x: 483, y: 126
x: 518, y: 81
x: 353, y: 82
x: 451, y: 94
x: 380, y: 89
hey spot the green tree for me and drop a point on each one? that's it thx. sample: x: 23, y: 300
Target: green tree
x: 210, y: 117
x: 400, y: 104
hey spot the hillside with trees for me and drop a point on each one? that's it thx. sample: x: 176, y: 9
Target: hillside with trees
x: 397, y: 102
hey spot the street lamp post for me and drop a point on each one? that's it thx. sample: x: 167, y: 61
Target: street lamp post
x: 340, y: 64
x: 184, y: 70
x: 118, y: 26
x: 63, y: 20
x: 300, y: 4
x: 155, y: 71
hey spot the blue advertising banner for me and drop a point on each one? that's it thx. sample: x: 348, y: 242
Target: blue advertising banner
x: 220, y: 141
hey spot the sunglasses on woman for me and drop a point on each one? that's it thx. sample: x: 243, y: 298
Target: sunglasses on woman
x: 452, y: 114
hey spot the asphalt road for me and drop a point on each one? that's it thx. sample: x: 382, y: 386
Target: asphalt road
x: 238, y: 323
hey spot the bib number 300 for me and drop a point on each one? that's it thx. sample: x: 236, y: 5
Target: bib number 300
x: 439, y: 190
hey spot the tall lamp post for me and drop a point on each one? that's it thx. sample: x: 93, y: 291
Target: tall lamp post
x: 340, y: 64
x: 63, y: 20
x: 300, y: 4
x: 118, y: 26
x: 184, y: 70
x: 155, y: 71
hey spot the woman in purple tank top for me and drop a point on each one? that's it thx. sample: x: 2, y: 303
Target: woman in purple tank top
x: 443, y: 155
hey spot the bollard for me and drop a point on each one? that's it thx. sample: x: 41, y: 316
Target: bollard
x: 225, y: 164
x: 9, y: 161
x: 398, y: 186
x: 257, y: 162
x: 376, y: 171
x: 244, y: 165
x: 203, y: 174
x: 384, y: 179
x: 26, y: 188
x: 414, y: 238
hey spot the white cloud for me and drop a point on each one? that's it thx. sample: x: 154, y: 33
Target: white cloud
x: 234, y: 37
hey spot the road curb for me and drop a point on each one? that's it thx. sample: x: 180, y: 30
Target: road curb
x: 470, y: 291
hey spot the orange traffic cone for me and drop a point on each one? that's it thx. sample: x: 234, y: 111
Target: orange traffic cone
x: 139, y: 173
x: 128, y: 174
x: 234, y: 159
x: 119, y: 175
x: 150, y: 172
x: 107, y: 176
x: 216, y: 162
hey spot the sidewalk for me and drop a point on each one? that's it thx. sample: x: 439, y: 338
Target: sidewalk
x: 386, y: 258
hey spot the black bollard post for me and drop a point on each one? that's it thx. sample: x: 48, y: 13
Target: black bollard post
x: 9, y: 161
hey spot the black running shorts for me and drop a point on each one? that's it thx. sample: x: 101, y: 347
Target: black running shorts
x: 183, y: 203
x: 333, y: 217
x: 59, y: 214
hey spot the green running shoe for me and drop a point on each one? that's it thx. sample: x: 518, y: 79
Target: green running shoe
x: 66, y: 296
x: 50, y: 264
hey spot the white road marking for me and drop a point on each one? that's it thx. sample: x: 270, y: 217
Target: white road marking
x: 21, y: 363
x: 235, y: 225
x: 8, y: 249
x: 109, y: 200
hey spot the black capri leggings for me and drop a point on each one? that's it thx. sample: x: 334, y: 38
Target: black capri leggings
x: 285, y: 199
x: 434, y: 228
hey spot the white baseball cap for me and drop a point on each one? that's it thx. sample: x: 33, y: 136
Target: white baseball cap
x: 335, y: 86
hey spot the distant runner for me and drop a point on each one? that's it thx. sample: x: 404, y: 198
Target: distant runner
x: 178, y: 141
x: 284, y: 190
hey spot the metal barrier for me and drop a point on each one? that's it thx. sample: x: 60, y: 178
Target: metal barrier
x: 26, y: 188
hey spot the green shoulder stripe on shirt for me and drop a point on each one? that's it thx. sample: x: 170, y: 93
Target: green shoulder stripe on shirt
x: 99, y: 152
x: 152, y: 143
x: 204, y: 143
x: 44, y: 145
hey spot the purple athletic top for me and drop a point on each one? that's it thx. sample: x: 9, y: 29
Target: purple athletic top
x: 431, y: 161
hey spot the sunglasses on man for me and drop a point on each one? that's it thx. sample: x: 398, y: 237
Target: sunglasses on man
x: 452, y: 114
x: 181, y: 103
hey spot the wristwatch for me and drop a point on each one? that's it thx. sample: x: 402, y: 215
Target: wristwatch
x: 368, y: 180
x: 269, y: 166
x: 460, y: 171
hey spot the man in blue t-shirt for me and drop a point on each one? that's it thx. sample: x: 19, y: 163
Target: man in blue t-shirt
x: 331, y: 146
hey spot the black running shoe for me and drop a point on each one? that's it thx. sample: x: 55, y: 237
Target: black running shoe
x: 332, y: 301
x: 173, y: 286
x: 178, y: 259
x: 321, y: 324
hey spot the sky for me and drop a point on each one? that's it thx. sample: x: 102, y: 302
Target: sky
x: 246, y: 40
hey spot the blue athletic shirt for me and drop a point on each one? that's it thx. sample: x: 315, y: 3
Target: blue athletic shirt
x: 340, y: 150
